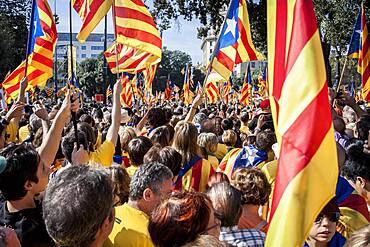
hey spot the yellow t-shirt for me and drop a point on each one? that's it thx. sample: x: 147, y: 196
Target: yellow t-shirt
x: 214, y: 161
x: 104, y: 154
x: 23, y: 133
x: 244, y: 129
x: 130, y: 229
x: 131, y: 171
x: 221, y: 151
x: 11, y: 132
x: 270, y: 170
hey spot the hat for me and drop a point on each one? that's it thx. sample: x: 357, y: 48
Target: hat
x: 265, y: 104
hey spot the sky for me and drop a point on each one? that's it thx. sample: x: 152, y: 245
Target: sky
x: 183, y: 38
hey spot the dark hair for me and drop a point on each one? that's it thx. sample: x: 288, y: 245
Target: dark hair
x: 137, y: 148
x: 180, y: 219
x: 357, y: 165
x: 156, y: 117
x: 22, y: 162
x: 87, y: 119
x: 265, y: 139
x: 244, y: 117
x: 161, y: 135
x: 363, y: 127
x: 168, y: 113
x: 217, y: 177
x: 71, y: 218
x: 120, y: 183
x: 148, y: 176
x: 69, y: 141
x: 152, y: 155
x: 169, y: 157
x: 227, y: 124
x: 90, y: 134
x: 226, y: 201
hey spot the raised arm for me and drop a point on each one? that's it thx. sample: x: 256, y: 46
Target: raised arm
x: 197, y: 101
x: 112, y: 133
x: 50, y: 144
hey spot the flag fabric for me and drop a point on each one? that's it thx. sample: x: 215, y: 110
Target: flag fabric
x: 352, y: 90
x: 138, y: 41
x: 199, y: 88
x: 149, y: 75
x: 211, y: 88
x: 359, y: 48
x: 226, y: 91
x: 194, y: 175
x: 72, y: 59
x: 109, y: 92
x: 127, y: 94
x: 188, y: 94
x: 235, y: 44
x: 40, y: 54
x: 303, y: 122
x: 262, y: 83
x: 247, y: 88
x: 91, y: 13
x: 168, y: 90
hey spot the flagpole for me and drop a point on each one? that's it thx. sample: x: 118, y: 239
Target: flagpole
x: 105, y: 67
x: 216, y: 46
x: 56, y: 56
x: 115, y: 35
x: 74, y: 120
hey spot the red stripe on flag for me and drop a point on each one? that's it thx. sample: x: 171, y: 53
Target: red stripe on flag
x: 12, y: 89
x: 137, y: 2
x: 225, y: 60
x: 78, y: 5
x: 295, y: 145
x: 196, y: 175
x: 140, y: 35
x: 43, y: 60
x: 34, y: 75
x: 357, y: 203
x: 303, y: 28
x: 365, y: 75
x: 15, y: 74
x: 365, y: 47
x: 124, y: 12
x: 94, y: 7
x: 45, y: 44
x: 243, y: 35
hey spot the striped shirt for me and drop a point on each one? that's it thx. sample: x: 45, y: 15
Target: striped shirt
x: 242, y: 237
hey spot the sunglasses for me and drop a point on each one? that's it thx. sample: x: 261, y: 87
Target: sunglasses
x: 333, y: 217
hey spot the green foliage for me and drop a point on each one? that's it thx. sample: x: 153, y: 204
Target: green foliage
x: 89, y: 74
x: 173, y: 62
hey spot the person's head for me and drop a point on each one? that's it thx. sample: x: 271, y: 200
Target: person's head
x: 78, y: 206
x: 363, y: 127
x: 265, y: 139
x: 359, y: 238
x: 120, y: 183
x: 168, y: 113
x: 156, y: 117
x: 180, y: 219
x: 35, y: 123
x: 208, y: 143
x: 229, y: 137
x: 90, y: 134
x: 199, y: 118
x: 37, y: 140
x: 68, y: 144
x: 85, y: 118
x: 244, y: 117
x: 323, y: 228
x: 253, y: 185
x: 206, y: 240
x: 169, y: 157
x: 126, y: 134
x: 357, y: 169
x: 152, y: 155
x: 227, y: 124
x: 150, y: 185
x: 22, y: 172
x: 226, y: 201
x: 137, y: 148
x: 185, y: 140
x: 8, y: 238
x: 161, y: 135
x: 217, y: 177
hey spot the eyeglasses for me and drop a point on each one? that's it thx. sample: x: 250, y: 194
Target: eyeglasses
x: 333, y: 217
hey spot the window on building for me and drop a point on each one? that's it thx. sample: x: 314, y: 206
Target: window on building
x: 83, y: 55
x: 211, y: 51
x: 253, y: 65
x: 97, y: 48
x: 83, y: 47
x: 94, y: 55
x: 211, y: 44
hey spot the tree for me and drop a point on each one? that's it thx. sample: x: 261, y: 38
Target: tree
x: 89, y: 74
x: 173, y: 62
x: 13, y: 33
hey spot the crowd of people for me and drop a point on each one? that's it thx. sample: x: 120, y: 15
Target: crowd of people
x: 164, y: 174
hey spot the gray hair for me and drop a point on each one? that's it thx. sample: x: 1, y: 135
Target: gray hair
x: 148, y: 176
x: 76, y: 204
x: 199, y: 118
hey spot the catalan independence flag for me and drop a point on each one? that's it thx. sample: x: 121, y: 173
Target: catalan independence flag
x: 149, y: 75
x: 235, y: 45
x: 303, y: 122
x: 40, y: 53
x: 211, y: 89
x: 168, y: 90
x: 194, y: 175
x: 91, y: 13
x: 127, y: 94
x: 359, y: 48
x: 247, y: 88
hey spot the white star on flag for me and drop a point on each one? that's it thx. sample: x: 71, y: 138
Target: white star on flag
x: 231, y: 27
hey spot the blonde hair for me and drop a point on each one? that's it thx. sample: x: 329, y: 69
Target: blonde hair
x: 360, y: 238
x: 229, y: 137
x: 126, y: 134
x: 185, y: 140
x: 208, y: 142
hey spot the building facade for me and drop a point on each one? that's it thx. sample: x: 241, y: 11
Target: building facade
x: 92, y: 48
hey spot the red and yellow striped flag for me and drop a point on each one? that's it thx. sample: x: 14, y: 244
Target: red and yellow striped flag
x: 211, y: 89
x: 139, y: 43
x: 247, y: 88
x: 308, y: 169
x: 149, y: 75
x: 40, y: 58
x: 127, y: 94
x: 91, y: 13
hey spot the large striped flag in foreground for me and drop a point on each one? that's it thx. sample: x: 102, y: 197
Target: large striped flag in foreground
x: 235, y: 45
x: 139, y: 43
x: 308, y: 168
x: 41, y: 49
x: 91, y: 13
x: 359, y: 48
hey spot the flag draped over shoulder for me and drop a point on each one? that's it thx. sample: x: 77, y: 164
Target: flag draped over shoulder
x: 359, y: 48
x: 91, y: 13
x: 247, y: 87
x: 138, y: 41
x: 235, y: 44
x: 41, y: 49
x: 303, y: 122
